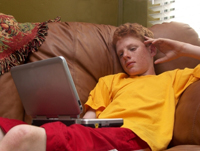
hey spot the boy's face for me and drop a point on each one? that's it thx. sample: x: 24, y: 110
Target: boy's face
x: 135, y: 57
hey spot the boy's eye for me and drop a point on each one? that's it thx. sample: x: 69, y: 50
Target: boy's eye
x: 132, y: 49
x: 120, y: 54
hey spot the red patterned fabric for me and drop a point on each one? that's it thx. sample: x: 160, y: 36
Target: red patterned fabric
x: 18, y: 39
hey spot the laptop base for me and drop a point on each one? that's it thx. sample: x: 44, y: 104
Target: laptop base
x: 94, y: 123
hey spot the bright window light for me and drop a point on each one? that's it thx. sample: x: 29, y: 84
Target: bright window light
x: 187, y: 11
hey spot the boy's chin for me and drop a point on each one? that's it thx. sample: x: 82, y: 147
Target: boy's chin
x: 132, y: 74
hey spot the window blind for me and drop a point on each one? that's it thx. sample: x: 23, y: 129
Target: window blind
x: 174, y: 10
x: 160, y: 11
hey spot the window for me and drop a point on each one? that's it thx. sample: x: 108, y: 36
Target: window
x: 174, y: 10
x: 187, y: 11
x: 160, y: 11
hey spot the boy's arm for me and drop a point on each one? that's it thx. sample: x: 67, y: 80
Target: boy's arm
x: 90, y: 114
x: 173, y: 49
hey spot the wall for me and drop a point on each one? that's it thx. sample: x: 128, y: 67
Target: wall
x: 135, y: 11
x: 113, y: 12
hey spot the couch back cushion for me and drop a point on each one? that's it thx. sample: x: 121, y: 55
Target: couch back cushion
x: 86, y: 47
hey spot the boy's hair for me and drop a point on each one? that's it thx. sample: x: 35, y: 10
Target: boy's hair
x: 131, y: 29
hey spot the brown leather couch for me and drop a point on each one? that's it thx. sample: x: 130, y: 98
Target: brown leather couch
x: 90, y: 54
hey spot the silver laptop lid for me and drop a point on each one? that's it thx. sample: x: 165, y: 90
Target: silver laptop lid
x: 46, y: 88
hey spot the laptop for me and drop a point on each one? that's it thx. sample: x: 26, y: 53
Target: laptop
x: 48, y: 94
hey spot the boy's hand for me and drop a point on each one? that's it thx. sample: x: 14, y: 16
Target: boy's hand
x: 171, y: 48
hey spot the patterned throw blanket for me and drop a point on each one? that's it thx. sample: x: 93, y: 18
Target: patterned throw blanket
x: 17, y: 40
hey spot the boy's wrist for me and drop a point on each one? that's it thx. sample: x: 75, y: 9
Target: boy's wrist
x: 184, y: 49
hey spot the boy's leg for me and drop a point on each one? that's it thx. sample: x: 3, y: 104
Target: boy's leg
x: 24, y: 138
x: 1, y: 134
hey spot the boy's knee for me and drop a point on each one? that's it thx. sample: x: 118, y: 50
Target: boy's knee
x: 21, y: 132
x: 26, y: 135
x: 17, y: 137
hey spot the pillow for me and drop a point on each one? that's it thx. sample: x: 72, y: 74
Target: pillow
x: 18, y: 39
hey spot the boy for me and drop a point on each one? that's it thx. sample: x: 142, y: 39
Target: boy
x: 144, y: 100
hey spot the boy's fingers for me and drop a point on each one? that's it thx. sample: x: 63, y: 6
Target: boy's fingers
x: 147, y: 37
x: 148, y: 41
x: 161, y: 60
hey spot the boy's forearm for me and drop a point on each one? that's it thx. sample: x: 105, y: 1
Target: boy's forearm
x: 91, y: 113
x: 190, y: 50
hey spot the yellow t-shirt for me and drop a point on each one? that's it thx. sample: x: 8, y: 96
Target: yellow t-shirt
x: 146, y: 103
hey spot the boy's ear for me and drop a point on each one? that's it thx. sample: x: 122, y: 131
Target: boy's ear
x: 153, y: 50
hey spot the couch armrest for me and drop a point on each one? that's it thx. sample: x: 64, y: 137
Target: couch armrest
x: 185, y: 148
x: 187, y: 117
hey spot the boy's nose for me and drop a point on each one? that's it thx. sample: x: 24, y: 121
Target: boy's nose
x: 126, y: 54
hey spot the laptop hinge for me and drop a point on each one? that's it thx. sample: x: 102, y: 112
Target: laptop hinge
x: 52, y: 118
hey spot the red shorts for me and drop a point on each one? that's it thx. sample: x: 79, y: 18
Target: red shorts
x: 80, y: 138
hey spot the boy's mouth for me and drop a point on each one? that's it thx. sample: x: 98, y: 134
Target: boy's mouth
x: 129, y: 64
